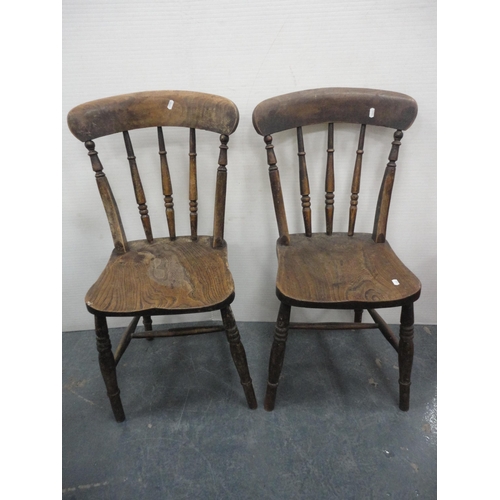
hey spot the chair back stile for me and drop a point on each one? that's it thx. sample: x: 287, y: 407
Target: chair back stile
x: 384, y: 199
x: 220, y: 193
x: 108, y: 200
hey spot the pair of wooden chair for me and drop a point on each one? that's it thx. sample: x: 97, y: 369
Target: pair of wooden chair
x: 187, y: 274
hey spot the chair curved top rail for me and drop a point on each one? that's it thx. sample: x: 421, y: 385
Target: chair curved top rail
x: 176, y: 108
x: 351, y: 105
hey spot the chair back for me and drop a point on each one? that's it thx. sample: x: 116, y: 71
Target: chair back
x: 157, y: 109
x: 334, y: 105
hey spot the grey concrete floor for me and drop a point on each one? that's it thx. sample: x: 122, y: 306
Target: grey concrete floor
x: 336, y: 432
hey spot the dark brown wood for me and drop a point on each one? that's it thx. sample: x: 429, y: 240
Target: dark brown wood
x: 140, y: 197
x: 148, y: 326
x: 193, y: 185
x: 178, y: 332
x: 279, y: 204
x: 220, y: 194
x: 165, y: 275
x: 334, y: 270
x: 108, y: 200
x: 384, y: 198
x: 329, y: 182
x: 126, y: 338
x: 304, y: 183
x: 332, y: 326
x: 309, y: 107
x: 239, y: 356
x: 405, y: 353
x: 358, y: 315
x: 277, y: 355
x: 166, y: 183
x: 108, y: 367
x: 356, y: 181
x: 167, y: 108
x: 342, y: 272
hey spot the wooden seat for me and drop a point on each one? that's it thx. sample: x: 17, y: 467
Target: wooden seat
x: 170, y: 274
x: 163, y: 275
x: 339, y: 270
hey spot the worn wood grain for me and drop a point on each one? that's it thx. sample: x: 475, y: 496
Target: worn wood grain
x: 168, y: 275
x: 349, y: 105
x: 174, y: 108
x: 342, y: 272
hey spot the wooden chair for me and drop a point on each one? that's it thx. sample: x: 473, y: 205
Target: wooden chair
x: 161, y: 275
x: 339, y: 270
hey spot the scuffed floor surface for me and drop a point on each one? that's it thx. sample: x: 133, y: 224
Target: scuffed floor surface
x: 336, y: 432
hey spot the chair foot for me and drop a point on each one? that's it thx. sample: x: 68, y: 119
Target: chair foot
x: 239, y: 356
x: 277, y: 356
x: 107, y: 365
x: 405, y: 355
x: 270, y: 398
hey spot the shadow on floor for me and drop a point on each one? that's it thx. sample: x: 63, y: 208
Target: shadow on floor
x: 336, y: 431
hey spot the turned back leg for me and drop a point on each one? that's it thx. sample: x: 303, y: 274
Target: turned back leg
x: 277, y: 355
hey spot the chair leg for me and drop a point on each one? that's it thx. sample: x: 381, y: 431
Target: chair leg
x: 239, y: 355
x: 358, y: 315
x: 277, y: 355
x: 108, y: 367
x: 148, y: 325
x: 405, y: 355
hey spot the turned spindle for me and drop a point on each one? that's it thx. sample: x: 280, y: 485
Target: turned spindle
x: 356, y: 181
x: 166, y: 183
x: 304, y: 183
x: 329, y: 182
x: 138, y: 189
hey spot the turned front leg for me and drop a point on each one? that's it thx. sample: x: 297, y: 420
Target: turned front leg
x: 108, y: 367
x: 277, y: 355
x: 405, y: 354
x: 239, y: 355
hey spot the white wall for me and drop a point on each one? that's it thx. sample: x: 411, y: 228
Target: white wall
x: 249, y: 51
